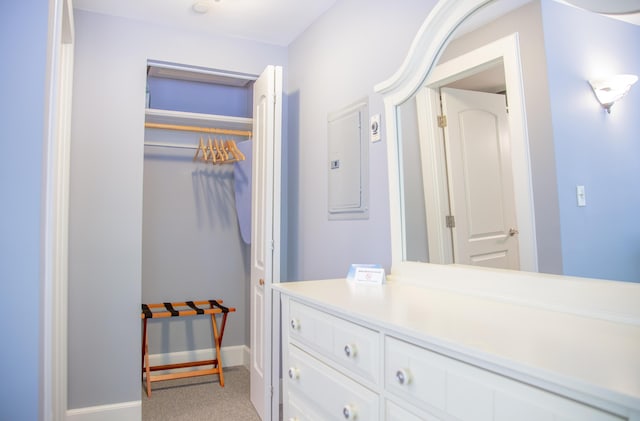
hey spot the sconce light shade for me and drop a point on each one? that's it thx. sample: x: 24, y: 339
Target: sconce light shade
x: 609, y: 90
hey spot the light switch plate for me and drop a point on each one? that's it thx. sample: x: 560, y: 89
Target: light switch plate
x: 580, y: 196
x: 374, y: 128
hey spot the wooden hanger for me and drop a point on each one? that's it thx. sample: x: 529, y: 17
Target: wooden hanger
x: 212, y: 153
x: 201, y: 147
x: 232, y: 151
x: 239, y: 156
x: 224, y: 157
x: 232, y: 157
x: 218, y: 151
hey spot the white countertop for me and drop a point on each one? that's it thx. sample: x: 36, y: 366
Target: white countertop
x: 578, y: 356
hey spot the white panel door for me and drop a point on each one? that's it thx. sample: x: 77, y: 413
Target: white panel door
x: 480, y: 179
x: 265, y: 233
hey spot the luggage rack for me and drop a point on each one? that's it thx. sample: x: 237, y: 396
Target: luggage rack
x: 184, y: 309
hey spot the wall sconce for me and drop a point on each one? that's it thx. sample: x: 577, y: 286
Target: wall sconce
x: 609, y: 90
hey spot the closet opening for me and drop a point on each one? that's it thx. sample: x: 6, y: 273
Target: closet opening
x: 197, y: 225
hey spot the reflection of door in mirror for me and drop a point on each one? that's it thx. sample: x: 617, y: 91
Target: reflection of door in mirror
x: 480, y: 181
x: 478, y: 212
x: 493, y: 68
x: 492, y: 63
x: 535, y: 172
x: 587, y: 241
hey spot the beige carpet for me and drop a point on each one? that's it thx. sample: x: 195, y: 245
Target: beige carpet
x: 201, y: 398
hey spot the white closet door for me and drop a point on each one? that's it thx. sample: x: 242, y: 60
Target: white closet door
x: 265, y: 235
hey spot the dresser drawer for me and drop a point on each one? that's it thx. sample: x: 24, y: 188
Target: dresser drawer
x: 299, y: 409
x: 414, y: 374
x: 325, y: 391
x: 394, y: 412
x: 350, y: 345
x: 430, y: 380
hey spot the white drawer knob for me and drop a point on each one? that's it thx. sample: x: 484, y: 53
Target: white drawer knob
x: 350, y: 350
x: 294, y: 373
x: 295, y: 324
x: 349, y: 412
x: 403, y: 376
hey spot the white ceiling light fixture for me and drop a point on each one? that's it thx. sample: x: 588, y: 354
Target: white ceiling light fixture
x: 202, y: 6
x: 611, y: 89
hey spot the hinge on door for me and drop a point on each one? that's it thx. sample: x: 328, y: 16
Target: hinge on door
x: 442, y: 121
x: 450, y: 221
x: 273, y: 247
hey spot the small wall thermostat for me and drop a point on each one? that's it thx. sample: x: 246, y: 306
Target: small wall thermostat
x: 374, y: 126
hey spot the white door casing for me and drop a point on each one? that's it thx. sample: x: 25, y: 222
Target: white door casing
x: 265, y: 233
x: 56, y: 164
x: 480, y: 178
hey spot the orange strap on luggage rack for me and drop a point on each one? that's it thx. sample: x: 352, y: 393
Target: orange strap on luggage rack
x: 177, y: 309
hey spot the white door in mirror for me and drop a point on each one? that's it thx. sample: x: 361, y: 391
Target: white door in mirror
x: 480, y: 179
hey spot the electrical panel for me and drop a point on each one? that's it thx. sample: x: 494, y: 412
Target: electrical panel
x: 348, y: 162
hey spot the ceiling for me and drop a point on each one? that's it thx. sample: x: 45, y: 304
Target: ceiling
x: 270, y: 21
x: 276, y: 22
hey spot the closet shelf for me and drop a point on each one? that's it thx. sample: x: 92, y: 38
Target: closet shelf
x: 196, y: 119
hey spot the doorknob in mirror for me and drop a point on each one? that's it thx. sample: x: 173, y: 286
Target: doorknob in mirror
x: 513, y: 232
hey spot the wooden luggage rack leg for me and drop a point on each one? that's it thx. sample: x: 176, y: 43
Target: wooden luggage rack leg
x: 215, y: 307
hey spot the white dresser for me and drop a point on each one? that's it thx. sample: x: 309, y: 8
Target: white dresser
x: 407, y: 352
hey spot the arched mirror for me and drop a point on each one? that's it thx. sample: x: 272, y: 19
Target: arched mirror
x: 499, y: 153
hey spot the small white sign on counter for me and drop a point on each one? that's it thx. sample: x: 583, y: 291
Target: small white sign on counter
x: 366, y: 274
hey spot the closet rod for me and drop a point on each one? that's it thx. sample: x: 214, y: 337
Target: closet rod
x: 170, y: 145
x: 230, y: 132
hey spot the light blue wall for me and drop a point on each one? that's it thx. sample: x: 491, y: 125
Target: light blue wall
x: 593, y: 148
x: 335, y: 63
x: 199, y: 97
x: 23, y: 48
x: 106, y: 189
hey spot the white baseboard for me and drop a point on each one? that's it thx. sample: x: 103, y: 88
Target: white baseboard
x: 126, y: 411
x: 231, y: 356
x: 132, y: 411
